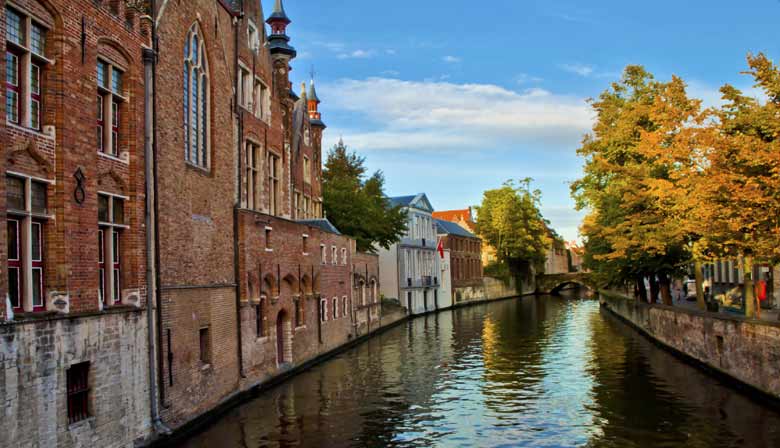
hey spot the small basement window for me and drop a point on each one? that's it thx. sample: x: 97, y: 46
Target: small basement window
x: 205, y: 346
x: 78, y: 392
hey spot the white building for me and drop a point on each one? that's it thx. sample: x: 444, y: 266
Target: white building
x: 410, y: 270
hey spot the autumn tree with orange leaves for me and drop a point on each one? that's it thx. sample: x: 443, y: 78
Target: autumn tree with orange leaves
x: 667, y: 183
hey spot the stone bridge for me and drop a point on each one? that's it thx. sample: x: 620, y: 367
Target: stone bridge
x: 553, y: 284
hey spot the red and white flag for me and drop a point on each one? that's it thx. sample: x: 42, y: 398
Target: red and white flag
x: 440, y: 248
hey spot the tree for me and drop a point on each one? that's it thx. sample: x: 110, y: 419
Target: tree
x: 509, y: 220
x: 738, y: 205
x: 629, y: 233
x: 357, y: 205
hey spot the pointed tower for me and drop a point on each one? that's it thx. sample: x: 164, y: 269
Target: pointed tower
x: 278, y: 41
x: 281, y: 51
x: 314, y: 106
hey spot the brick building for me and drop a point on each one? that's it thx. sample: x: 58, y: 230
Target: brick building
x: 73, y: 332
x: 465, y: 250
x: 248, y: 280
x: 465, y: 218
x: 253, y: 280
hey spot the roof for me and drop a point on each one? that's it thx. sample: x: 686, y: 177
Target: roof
x: 322, y: 224
x: 450, y: 228
x: 419, y: 201
x: 454, y: 215
x: 278, y: 13
x: 401, y: 201
x: 313, y: 92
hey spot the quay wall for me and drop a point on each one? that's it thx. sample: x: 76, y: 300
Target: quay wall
x: 744, y: 350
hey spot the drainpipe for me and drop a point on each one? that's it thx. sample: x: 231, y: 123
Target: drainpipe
x: 240, y: 131
x: 150, y: 234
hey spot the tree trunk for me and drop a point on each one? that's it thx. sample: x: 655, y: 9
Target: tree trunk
x: 749, y: 294
x: 653, y: 289
x: 697, y: 266
x: 640, y: 286
x: 666, y: 293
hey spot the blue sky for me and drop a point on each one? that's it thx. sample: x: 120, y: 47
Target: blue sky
x: 453, y: 97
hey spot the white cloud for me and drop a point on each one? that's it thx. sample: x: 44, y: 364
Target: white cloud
x: 391, y: 51
x: 451, y: 59
x: 357, y: 54
x: 524, y: 78
x: 391, y: 73
x: 579, y: 69
x: 444, y: 116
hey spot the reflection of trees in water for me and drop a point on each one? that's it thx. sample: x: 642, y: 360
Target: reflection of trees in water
x: 666, y: 402
x: 502, y: 365
x: 518, y: 335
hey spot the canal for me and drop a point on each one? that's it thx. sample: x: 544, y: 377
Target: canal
x: 536, y: 371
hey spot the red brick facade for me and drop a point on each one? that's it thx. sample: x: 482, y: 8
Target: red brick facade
x: 242, y: 271
x: 465, y: 259
x: 250, y: 281
x: 55, y: 190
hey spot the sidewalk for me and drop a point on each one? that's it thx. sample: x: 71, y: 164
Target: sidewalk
x: 767, y: 315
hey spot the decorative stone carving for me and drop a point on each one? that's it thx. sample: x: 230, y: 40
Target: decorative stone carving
x: 58, y: 301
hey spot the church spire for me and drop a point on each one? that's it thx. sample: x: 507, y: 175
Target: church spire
x: 278, y: 41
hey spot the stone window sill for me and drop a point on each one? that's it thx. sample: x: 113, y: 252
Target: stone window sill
x: 90, y: 421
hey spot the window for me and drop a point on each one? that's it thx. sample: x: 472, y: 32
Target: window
x: 245, y: 86
x: 253, y: 40
x: 344, y: 256
x: 253, y: 159
x: 335, y: 308
x: 259, y: 318
x: 273, y: 184
x: 306, y: 170
x: 299, y: 318
x: 109, y: 98
x: 25, y: 225
x: 205, y: 345
x: 196, y: 100
x: 344, y: 307
x: 323, y: 310
x: 305, y: 241
x: 323, y: 254
x: 334, y: 255
x: 111, y: 223
x: 268, y: 247
x: 78, y: 392
x: 261, y: 102
x: 24, y: 67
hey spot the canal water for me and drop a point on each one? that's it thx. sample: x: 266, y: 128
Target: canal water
x: 535, y: 372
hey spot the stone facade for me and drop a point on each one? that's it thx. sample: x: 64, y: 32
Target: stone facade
x: 410, y: 268
x: 73, y: 280
x: 745, y: 350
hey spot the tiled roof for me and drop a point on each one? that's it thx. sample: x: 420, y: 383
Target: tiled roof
x: 322, y: 224
x: 401, y: 201
x: 450, y: 228
x: 454, y: 215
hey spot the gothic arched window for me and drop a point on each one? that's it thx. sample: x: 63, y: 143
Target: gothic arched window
x: 196, y: 100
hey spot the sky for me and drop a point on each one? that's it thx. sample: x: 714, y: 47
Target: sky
x: 454, y: 97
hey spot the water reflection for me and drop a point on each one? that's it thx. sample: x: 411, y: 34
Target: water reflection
x: 542, y: 371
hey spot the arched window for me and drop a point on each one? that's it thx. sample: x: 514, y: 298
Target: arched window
x: 196, y: 100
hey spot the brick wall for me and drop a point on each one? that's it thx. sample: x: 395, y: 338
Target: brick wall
x: 37, y: 348
x: 195, y: 217
x: 466, y: 266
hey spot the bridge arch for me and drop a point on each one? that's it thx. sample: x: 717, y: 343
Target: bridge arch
x: 555, y: 283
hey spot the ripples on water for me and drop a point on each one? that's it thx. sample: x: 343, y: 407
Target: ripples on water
x: 535, y: 372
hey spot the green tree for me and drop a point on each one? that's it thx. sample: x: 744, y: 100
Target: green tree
x: 510, y: 221
x: 629, y: 232
x: 357, y: 204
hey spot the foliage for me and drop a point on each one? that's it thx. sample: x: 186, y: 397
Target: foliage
x: 631, y: 231
x: 510, y: 221
x: 667, y: 182
x: 357, y: 205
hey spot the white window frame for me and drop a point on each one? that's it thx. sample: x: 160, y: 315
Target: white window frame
x: 343, y: 256
x: 197, y: 123
x: 334, y: 255
x: 112, y: 230
x: 323, y: 254
x: 109, y: 144
x: 26, y: 220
